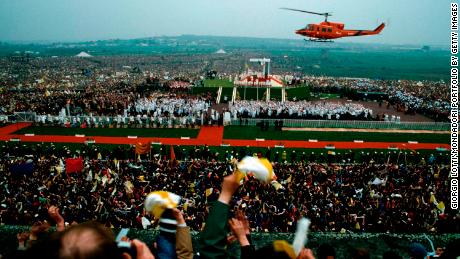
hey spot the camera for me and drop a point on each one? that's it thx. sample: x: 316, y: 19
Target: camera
x: 124, y: 246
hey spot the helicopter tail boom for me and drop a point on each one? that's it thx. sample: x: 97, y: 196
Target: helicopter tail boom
x: 348, y: 33
x: 380, y: 28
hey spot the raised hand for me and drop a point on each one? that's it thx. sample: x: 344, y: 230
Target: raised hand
x: 178, y: 216
x: 22, y: 238
x: 53, y: 212
x: 306, y: 254
x: 38, y: 228
x: 229, y: 187
x: 244, y: 220
x: 142, y: 250
x: 239, y: 231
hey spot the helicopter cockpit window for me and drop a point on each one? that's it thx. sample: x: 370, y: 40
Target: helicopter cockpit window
x: 310, y: 27
x: 329, y: 30
x: 324, y: 29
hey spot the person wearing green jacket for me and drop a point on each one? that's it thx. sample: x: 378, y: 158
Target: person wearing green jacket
x: 213, y: 240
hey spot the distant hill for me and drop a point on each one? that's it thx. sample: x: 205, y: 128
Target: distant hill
x: 184, y: 44
x: 331, y: 59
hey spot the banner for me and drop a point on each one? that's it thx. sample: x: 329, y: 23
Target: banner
x: 23, y: 168
x: 73, y: 165
x: 143, y: 148
x: 173, y: 155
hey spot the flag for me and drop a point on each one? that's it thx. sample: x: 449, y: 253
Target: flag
x: 260, y: 168
x: 441, y: 206
x: 208, y: 192
x: 143, y: 148
x: 23, y: 168
x: 156, y: 202
x: 73, y: 165
x: 277, y: 185
x: 433, y: 200
x: 173, y: 155
x: 128, y: 187
x: 94, y: 187
x: 145, y: 223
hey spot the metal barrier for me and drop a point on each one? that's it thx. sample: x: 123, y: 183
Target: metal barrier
x: 292, y: 123
x: 105, y: 120
x: 295, y: 123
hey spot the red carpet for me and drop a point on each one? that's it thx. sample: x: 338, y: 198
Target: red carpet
x: 13, y: 128
x: 213, y: 136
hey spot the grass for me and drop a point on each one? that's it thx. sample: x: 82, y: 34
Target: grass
x: 122, y: 132
x: 275, y: 94
x: 226, y: 92
x: 251, y: 93
x: 300, y: 93
x: 328, y: 96
x: 317, y: 155
x: 237, y: 132
x: 217, y: 83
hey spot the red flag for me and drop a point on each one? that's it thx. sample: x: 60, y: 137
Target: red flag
x: 173, y: 155
x: 73, y: 165
x: 143, y: 148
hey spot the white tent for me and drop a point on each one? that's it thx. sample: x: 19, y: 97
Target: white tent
x: 83, y: 55
x: 220, y: 51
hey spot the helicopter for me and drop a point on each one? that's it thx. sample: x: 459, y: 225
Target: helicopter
x: 327, y: 31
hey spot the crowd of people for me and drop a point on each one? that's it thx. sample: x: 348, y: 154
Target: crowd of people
x: 161, y: 106
x: 300, y: 110
x: 108, y: 86
x: 378, y: 195
x: 157, y: 110
x: 430, y: 98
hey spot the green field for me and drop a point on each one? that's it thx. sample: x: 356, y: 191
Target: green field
x: 299, y: 93
x: 251, y: 93
x: 373, y: 62
x: 217, y: 83
x: 227, y: 91
x: 182, y: 152
x: 275, y: 94
x: 107, y: 132
x: 243, y: 132
x: 327, y: 96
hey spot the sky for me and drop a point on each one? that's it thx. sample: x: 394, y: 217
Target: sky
x: 422, y: 22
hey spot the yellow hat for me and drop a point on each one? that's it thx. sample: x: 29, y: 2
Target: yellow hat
x: 261, y: 168
x: 157, y: 202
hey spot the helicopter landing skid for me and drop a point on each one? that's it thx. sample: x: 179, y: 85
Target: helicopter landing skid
x: 318, y: 40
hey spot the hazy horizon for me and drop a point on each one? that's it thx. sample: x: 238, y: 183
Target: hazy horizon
x: 422, y: 22
x: 45, y: 42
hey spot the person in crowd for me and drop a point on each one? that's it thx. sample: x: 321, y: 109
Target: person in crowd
x: 213, y: 237
x: 86, y: 240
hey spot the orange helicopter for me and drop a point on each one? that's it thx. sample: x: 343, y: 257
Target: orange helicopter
x: 327, y: 31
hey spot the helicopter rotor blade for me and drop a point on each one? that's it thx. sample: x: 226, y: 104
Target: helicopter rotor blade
x: 303, y: 11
